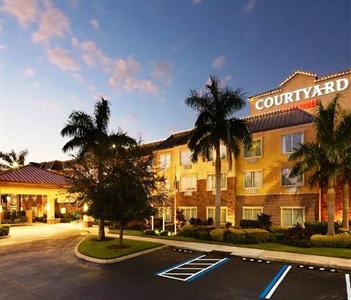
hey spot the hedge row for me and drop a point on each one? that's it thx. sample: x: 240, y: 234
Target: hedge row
x: 342, y: 240
x: 4, y: 230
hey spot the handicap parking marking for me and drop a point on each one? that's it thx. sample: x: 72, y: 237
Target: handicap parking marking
x: 273, y: 285
x: 192, y: 269
x: 348, y: 286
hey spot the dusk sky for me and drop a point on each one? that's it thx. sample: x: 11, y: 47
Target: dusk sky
x: 144, y: 56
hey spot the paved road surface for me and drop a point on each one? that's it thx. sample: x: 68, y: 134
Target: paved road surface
x: 48, y: 269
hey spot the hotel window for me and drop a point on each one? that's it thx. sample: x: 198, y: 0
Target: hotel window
x: 222, y: 150
x: 188, y: 183
x: 290, y: 181
x: 211, y: 213
x: 167, y: 213
x: 292, y: 215
x: 165, y: 160
x: 189, y: 212
x: 252, y: 179
x: 211, y: 182
x: 251, y: 213
x: 185, y: 158
x: 291, y: 142
x: 255, y: 150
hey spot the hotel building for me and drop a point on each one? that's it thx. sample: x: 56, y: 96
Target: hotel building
x: 259, y: 179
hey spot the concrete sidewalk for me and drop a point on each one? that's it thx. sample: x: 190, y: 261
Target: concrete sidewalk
x: 307, y: 259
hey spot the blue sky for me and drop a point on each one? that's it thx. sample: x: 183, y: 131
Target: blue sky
x: 144, y: 56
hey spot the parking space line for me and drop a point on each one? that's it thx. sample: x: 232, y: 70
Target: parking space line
x: 348, y: 286
x: 273, y: 285
x: 186, y: 272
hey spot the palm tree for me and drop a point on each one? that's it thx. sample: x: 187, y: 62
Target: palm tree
x: 91, y: 137
x: 326, y: 158
x: 12, y: 160
x: 216, y: 124
x: 343, y: 146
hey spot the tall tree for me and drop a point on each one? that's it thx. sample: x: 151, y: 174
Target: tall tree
x: 216, y: 124
x: 326, y: 158
x: 91, y: 138
x: 12, y: 160
x: 133, y: 184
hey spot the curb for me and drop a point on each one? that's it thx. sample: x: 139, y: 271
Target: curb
x: 325, y: 261
x: 112, y: 260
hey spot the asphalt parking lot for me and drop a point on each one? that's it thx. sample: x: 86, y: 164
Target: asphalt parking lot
x: 48, y: 269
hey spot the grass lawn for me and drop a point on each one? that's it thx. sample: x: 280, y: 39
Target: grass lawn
x: 108, y: 249
x: 323, y: 251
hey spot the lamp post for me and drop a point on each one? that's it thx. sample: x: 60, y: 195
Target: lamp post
x: 175, y: 200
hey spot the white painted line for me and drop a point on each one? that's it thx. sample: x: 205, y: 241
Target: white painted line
x: 211, y: 266
x: 171, y: 277
x: 189, y: 268
x: 181, y: 274
x: 348, y: 286
x: 214, y: 259
x: 205, y: 264
x: 275, y: 286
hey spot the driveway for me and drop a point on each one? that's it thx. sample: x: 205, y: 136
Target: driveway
x: 40, y: 231
x: 48, y: 269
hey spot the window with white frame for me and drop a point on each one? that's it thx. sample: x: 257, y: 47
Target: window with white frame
x: 252, y: 179
x: 185, y: 158
x: 255, y: 150
x: 165, y: 160
x: 290, y: 181
x: 166, y: 212
x: 291, y: 142
x: 211, y: 213
x: 292, y: 215
x: 189, y: 212
x: 222, y: 151
x: 188, y: 183
x: 211, y: 182
x: 251, y: 213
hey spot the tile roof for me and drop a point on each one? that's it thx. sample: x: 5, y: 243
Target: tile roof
x: 317, y: 79
x: 263, y: 122
x: 32, y: 174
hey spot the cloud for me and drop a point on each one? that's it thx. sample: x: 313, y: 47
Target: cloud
x: 122, y: 70
x: 94, y: 23
x: 249, y: 6
x: 225, y: 80
x: 218, y: 62
x: 162, y: 72
x: 46, y: 104
x: 53, y: 23
x: 25, y: 11
x: 62, y: 59
x: 3, y: 47
x: 29, y: 72
x: 141, y: 85
x: 197, y: 1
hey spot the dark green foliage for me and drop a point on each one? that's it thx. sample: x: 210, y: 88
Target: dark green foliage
x: 297, y: 236
x: 316, y: 227
x: 249, y: 224
x: 12, y: 159
x: 264, y: 221
x: 164, y: 233
x: 209, y: 221
x: 198, y: 232
x: 4, y: 230
x: 180, y: 217
x: 14, y: 217
x: 149, y: 232
x: 196, y: 221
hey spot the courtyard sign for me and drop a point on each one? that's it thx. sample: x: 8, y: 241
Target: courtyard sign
x: 303, y: 94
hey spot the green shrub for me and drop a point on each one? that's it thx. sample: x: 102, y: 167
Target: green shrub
x: 246, y: 236
x: 264, y: 221
x: 149, y: 232
x: 195, y: 231
x: 316, y: 227
x: 204, y: 235
x: 342, y: 240
x: 217, y: 235
x: 297, y: 236
x: 4, y: 230
x: 249, y: 224
x: 164, y: 233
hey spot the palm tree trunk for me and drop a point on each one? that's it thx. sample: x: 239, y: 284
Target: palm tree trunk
x: 218, y: 187
x: 101, y: 235
x: 346, y: 208
x: 331, y: 212
x: 121, y: 234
